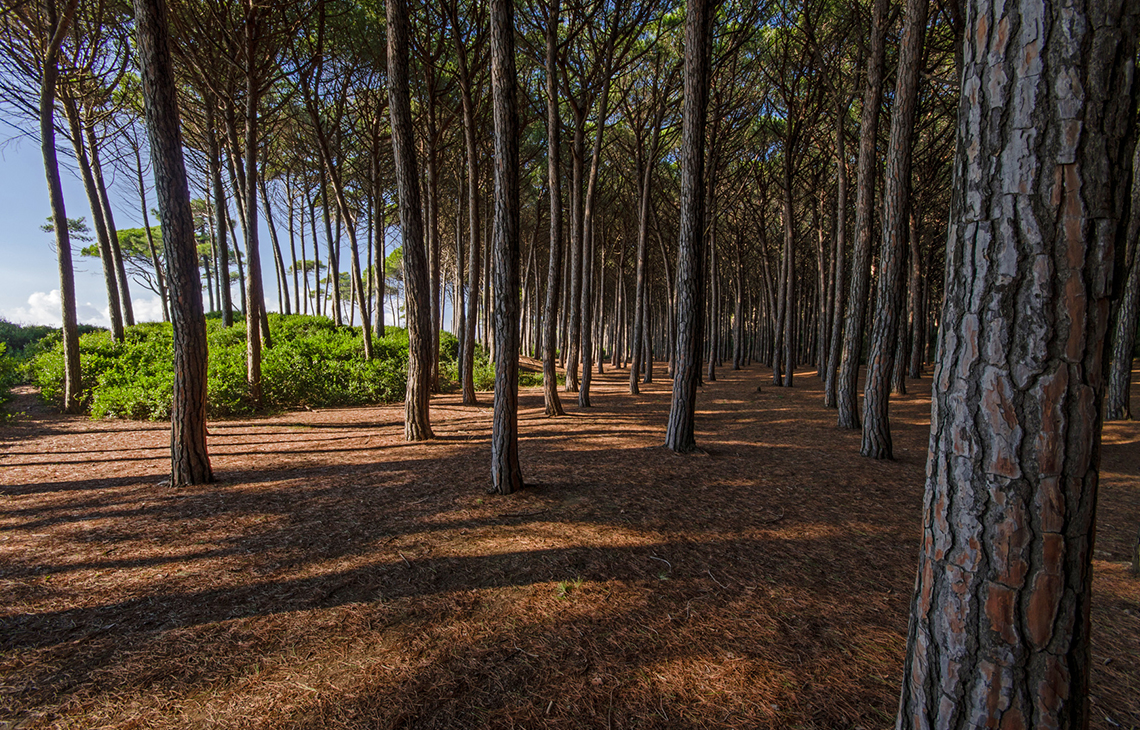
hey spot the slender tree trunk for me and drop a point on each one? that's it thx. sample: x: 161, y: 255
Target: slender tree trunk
x: 714, y: 296
x: 190, y: 461
x: 156, y: 262
x: 888, y: 300
x: 999, y: 627
x: 214, y: 164
x: 417, y: 426
x: 113, y: 304
x: 58, y: 28
x: 680, y: 434
x: 278, y: 259
x: 839, y: 261
x: 112, y: 232
x: 577, y: 246
x: 852, y: 353
x: 551, y: 401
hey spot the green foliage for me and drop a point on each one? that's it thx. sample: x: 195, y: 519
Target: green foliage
x: 9, y: 373
x: 313, y: 363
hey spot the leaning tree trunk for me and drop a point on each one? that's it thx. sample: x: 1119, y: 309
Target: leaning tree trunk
x: 506, y: 476
x: 110, y: 281
x: 852, y: 353
x: 888, y: 301
x: 553, y: 404
x: 680, y: 435
x: 72, y: 374
x: 109, y: 221
x: 417, y: 426
x: 189, y: 460
x: 1117, y: 406
x: 999, y: 628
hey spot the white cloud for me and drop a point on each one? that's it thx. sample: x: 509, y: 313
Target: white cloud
x: 147, y: 310
x: 44, y: 308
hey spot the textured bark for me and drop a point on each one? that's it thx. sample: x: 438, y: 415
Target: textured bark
x: 839, y: 262
x: 888, y: 299
x: 999, y: 629
x: 848, y: 382
x: 190, y: 462
x: 506, y: 476
x: 680, y: 433
x: 553, y: 404
x: 417, y: 426
x: 1117, y: 403
x: 58, y: 28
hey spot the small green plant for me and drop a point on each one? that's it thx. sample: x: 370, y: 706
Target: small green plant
x: 564, y: 588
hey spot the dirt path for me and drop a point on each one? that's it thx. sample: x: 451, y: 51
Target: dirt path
x: 337, y: 576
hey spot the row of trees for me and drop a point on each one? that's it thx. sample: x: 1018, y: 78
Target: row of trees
x: 723, y: 127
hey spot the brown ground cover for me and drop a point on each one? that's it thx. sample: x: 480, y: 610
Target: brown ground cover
x: 337, y: 576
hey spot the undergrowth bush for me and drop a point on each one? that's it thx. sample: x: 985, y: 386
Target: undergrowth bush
x: 313, y: 363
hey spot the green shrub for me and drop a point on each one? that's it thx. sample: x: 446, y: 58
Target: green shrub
x: 312, y: 363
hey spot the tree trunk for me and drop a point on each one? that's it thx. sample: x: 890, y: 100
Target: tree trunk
x: 214, y: 163
x: 551, y: 401
x: 506, y: 476
x: 1117, y: 403
x: 888, y: 300
x: 109, y: 222
x: 190, y: 461
x: 577, y: 246
x: 999, y: 628
x: 839, y: 261
x: 852, y: 353
x: 156, y: 262
x: 587, y: 231
x: 680, y: 434
x: 113, y: 304
x: 417, y: 426
x: 254, y: 302
x: 58, y: 28
x: 278, y: 259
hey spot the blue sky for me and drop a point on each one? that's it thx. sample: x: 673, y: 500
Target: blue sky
x: 29, y: 277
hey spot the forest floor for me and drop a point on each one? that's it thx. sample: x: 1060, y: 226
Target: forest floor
x: 338, y: 577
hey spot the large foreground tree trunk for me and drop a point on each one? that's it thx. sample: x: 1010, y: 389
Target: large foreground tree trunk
x: 999, y: 629
x: 189, y: 460
x: 680, y: 436
x: 506, y: 476
x: 417, y: 297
